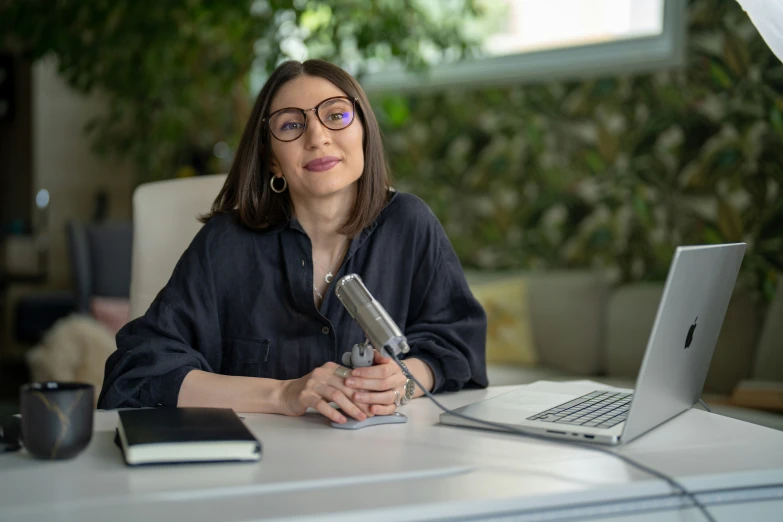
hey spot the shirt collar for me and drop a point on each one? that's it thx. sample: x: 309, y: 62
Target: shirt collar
x: 294, y: 224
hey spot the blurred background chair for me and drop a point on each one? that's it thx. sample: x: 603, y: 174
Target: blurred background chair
x: 164, y: 223
x: 100, y: 256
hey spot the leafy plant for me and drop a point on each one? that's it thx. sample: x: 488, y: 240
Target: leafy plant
x: 176, y: 75
x: 613, y: 172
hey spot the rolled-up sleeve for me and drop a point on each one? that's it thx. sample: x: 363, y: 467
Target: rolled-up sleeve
x: 179, y: 333
x: 447, y: 328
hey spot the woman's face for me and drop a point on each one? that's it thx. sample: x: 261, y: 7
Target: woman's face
x: 321, y: 162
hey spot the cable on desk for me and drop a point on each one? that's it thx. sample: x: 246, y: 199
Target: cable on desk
x: 509, y: 429
x: 705, y: 405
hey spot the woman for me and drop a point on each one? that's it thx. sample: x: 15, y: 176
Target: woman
x: 248, y: 320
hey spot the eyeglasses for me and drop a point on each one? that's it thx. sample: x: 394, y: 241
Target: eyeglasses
x: 335, y: 114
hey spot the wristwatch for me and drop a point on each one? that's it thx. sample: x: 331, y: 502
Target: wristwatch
x: 410, y: 386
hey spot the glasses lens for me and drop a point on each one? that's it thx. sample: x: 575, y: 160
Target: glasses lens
x: 336, y: 114
x: 287, y: 125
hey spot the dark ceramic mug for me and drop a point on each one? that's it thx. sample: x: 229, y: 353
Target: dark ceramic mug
x: 56, y: 418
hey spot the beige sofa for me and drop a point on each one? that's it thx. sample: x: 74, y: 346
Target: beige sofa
x: 582, y: 327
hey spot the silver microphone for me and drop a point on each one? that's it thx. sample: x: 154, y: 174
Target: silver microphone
x: 380, y: 329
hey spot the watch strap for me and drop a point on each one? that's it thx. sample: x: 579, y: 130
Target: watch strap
x: 409, y: 388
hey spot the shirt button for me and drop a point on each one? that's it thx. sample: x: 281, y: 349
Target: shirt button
x: 325, y: 330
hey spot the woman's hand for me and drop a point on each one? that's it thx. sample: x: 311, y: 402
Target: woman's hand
x: 375, y: 385
x: 316, y: 390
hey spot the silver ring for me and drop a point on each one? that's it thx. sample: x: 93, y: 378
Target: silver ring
x: 397, y: 401
x: 342, y: 372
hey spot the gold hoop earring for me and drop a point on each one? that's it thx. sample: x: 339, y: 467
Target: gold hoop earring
x: 272, y: 184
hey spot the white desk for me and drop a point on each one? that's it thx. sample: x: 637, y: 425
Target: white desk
x: 419, y: 470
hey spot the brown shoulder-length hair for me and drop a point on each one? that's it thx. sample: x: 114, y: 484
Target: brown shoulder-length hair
x: 246, y: 192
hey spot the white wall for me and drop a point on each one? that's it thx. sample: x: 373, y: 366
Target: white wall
x: 64, y: 165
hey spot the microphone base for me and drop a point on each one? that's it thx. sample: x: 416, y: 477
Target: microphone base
x: 353, y: 424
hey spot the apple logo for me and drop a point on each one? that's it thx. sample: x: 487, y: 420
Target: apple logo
x: 689, y: 337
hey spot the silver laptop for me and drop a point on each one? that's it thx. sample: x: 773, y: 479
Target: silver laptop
x: 683, y: 337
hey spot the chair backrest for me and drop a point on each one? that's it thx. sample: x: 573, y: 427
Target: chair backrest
x: 164, y: 223
x: 100, y: 260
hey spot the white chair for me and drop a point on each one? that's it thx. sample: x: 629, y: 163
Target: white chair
x: 164, y: 223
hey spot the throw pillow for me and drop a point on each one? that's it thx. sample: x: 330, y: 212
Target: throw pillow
x: 509, y: 330
x: 112, y: 312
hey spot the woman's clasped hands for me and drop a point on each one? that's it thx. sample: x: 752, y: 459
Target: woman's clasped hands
x: 359, y: 393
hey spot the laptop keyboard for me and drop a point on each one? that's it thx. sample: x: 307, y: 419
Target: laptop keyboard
x: 599, y: 409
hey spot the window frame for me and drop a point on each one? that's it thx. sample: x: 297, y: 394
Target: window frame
x: 626, y: 56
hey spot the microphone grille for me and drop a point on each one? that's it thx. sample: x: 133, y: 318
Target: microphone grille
x: 351, y: 291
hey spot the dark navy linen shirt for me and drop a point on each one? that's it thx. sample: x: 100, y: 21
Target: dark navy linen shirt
x: 240, y: 302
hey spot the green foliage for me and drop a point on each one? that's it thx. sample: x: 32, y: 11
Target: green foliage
x: 176, y: 73
x: 612, y: 172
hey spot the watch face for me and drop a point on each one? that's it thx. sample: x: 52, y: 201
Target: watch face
x: 410, y: 387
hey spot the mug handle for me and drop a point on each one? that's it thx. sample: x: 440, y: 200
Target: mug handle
x: 11, y: 433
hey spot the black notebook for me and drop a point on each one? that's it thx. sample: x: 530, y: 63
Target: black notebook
x: 177, y: 435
